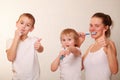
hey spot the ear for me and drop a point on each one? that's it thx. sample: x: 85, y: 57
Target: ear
x: 31, y: 29
x: 106, y: 28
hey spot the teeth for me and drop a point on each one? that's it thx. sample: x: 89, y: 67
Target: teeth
x: 93, y: 33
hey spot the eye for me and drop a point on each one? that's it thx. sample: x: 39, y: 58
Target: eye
x: 28, y: 25
x: 69, y: 39
x: 90, y: 25
x: 97, y: 25
x: 63, y: 40
x: 21, y: 22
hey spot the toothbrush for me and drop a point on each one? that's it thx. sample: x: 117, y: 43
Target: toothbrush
x: 93, y: 33
x: 61, y: 57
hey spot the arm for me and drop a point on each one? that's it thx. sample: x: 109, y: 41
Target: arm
x: 112, y: 57
x: 74, y: 50
x: 11, y: 52
x: 55, y: 64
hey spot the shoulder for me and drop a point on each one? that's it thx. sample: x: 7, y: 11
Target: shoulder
x: 111, y: 42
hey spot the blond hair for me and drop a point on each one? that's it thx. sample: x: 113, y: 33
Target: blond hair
x: 71, y: 32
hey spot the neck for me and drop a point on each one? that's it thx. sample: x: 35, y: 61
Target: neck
x: 23, y: 37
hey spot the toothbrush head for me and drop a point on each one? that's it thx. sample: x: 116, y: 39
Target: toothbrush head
x: 92, y: 33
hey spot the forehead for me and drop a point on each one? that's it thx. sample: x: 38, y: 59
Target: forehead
x: 96, y: 20
x: 25, y: 18
x: 67, y: 36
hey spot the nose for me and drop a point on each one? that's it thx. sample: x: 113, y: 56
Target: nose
x: 23, y: 26
x: 91, y: 29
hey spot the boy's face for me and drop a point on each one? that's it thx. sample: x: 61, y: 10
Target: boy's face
x: 25, y: 25
x: 67, y: 41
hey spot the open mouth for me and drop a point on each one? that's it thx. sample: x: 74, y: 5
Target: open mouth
x: 67, y: 45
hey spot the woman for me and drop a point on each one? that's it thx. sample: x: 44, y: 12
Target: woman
x: 100, y: 59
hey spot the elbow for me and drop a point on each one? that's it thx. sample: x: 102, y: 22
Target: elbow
x: 115, y: 72
x: 11, y: 59
x: 53, y: 69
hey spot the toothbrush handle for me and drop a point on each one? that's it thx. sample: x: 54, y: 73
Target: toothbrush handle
x: 87, y: 33
x: 61, y: 57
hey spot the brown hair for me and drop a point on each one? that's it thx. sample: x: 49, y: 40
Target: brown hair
x: 106, y: 20
x: 72, y: 33
x: 30, y: 16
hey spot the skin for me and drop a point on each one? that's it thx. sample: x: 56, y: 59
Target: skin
x: 101, y: 40
x: 24, y: 26
x: 68, y: 44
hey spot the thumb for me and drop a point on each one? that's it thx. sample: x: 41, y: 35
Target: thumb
x: 39, y: 39
x: 103, y: 35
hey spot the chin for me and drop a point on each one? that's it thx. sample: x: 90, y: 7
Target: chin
x: 93, y: 37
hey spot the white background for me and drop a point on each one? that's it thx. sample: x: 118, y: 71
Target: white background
x: 52, y: 16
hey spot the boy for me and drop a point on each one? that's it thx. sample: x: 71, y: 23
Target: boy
x: 69, y: 58
x: 22, y: 50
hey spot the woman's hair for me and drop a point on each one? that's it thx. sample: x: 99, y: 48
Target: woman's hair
x: 106, y: 20
x: 30, y: 16
x: 71, y: 32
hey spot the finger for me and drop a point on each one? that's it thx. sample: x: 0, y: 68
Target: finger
x: 39, y: 39
x: 81, y: 34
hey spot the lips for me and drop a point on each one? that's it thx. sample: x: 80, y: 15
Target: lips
x: 67, y: 45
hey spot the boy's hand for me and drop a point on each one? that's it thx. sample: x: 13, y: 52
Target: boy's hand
x: 18, y: 34
x: 37, y: 44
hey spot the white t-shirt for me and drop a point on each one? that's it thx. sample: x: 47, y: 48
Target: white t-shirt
x: 70, y: 67
x: 26, y: 64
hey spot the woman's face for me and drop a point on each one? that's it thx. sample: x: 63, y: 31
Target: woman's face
x: 96, y: 26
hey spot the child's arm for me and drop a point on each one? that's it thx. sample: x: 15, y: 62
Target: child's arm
x: 11, y: 52
x: 74, y: 50
x: 38, y: 46
x: 56, y: 62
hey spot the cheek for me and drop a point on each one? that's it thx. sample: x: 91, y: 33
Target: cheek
x: 100, y: 30
x: 72, y: 43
